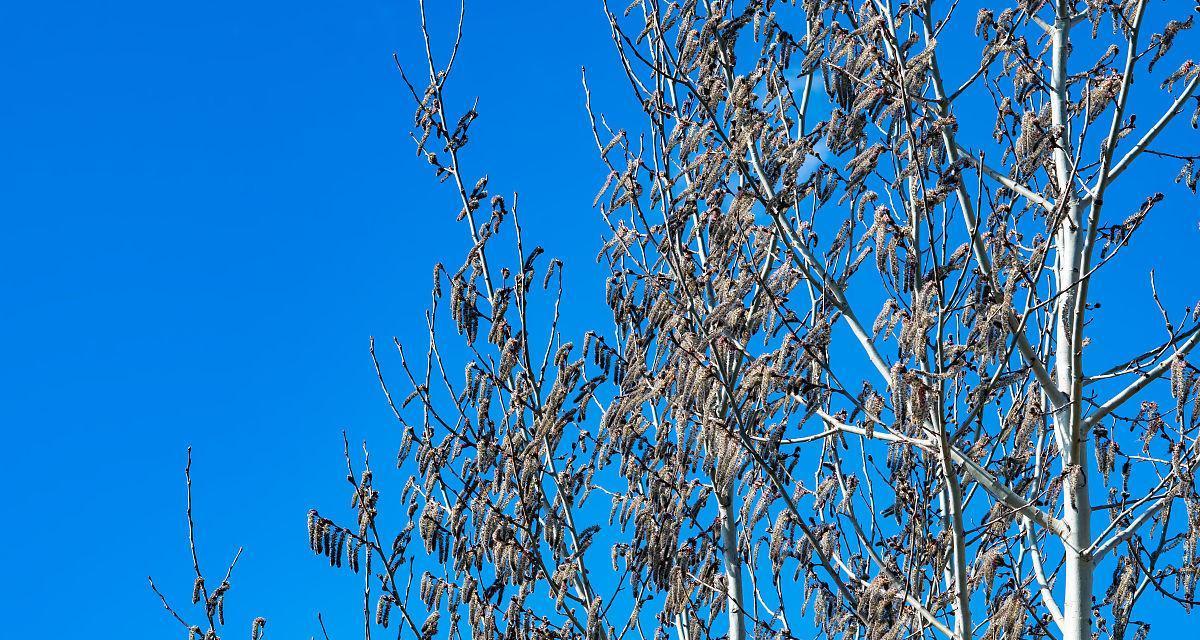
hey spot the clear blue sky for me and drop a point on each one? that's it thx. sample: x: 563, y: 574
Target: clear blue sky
x: 208, y: 208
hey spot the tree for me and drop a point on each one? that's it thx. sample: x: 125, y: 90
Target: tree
x: 751, y: 456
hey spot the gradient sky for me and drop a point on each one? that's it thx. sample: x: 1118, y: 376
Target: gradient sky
x: 208, y: 208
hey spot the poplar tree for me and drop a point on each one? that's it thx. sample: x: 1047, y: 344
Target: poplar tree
x: 851, y: 384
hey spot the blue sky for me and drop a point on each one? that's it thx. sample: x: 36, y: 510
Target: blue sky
x: 208, y: 208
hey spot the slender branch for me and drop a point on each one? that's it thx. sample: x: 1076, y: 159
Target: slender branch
x: 1142, y: 381
x: 1140, y: 146
x: 1009, y: 183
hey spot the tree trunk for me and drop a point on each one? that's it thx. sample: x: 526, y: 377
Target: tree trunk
x: 733, y: 565
x: 1077, y: 507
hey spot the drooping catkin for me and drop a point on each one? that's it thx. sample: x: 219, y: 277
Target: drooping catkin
x: 197, y: 589
x: 257, y: 627
x: 383, y: 610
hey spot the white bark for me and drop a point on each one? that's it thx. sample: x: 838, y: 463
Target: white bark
x: 1078, y: 566
x: 733, y: 566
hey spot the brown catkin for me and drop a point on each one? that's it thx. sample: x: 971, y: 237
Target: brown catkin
x: 256, y: 628
x: 197, y: 589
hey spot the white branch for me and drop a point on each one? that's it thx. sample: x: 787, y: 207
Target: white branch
x: 1039, y: 572
x: 1009, y: 183
x: 1010, y: 498
x: 1141, y: 145
x: 993, y: 486
x: 1146, y: 378
x: 1101, y: 547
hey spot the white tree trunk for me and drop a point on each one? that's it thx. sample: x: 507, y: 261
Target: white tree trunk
x: 733, y: 565
x: 1077, y: 570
